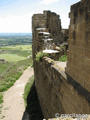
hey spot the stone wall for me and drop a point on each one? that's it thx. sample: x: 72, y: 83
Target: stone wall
x: 54, y: 26
x: 61, y: 91
x: 51, y: 22
x: 78, y: 66
x: 65, y: 33
x: 47, y: 22
x: 57, y: 92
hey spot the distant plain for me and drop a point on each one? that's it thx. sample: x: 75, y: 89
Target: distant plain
x: 14, y: 59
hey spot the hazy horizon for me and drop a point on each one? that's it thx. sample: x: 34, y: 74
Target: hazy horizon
x: 15, y: 34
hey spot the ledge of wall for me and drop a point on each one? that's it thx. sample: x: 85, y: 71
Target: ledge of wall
x: 57, y: 92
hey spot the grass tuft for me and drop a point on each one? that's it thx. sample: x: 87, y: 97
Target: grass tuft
x: 27, y: 89
x: 1, y: 98
x: 63, y: 58
x: 40, y: 55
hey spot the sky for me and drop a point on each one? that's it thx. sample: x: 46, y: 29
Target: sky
x: 16, y: 15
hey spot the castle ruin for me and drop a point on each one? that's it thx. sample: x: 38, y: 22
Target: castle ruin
x: 64, y: 90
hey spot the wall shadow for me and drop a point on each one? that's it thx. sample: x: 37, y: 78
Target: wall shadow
x: 33, y: 110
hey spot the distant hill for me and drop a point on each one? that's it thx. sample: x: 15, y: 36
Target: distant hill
x: 15, y: 39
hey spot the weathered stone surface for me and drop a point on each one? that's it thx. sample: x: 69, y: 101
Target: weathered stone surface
x: 51, y: 22
x: 87, y: 117
x: 78, y: 66
x: 47, y: 22
x: 59, y: 91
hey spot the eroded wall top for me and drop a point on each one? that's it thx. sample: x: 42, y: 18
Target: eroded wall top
x: 51, y: 21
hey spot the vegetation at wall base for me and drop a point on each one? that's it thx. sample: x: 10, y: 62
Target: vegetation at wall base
x: 63, y: 58
x: 40, y: 55
x: 1, y: 98
x: 27, y: 89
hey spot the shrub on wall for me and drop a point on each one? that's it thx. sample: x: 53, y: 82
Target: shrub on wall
x: 40, y: 55
x: 63, y: 58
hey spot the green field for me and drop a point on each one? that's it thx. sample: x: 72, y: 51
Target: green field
x: 15, y: 60
x: 14, y: 54
x: 12, y: 57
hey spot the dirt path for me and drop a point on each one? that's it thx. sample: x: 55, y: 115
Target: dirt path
x: 13, y: 106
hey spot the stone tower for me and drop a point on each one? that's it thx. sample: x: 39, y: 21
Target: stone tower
x: 78, y: 65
